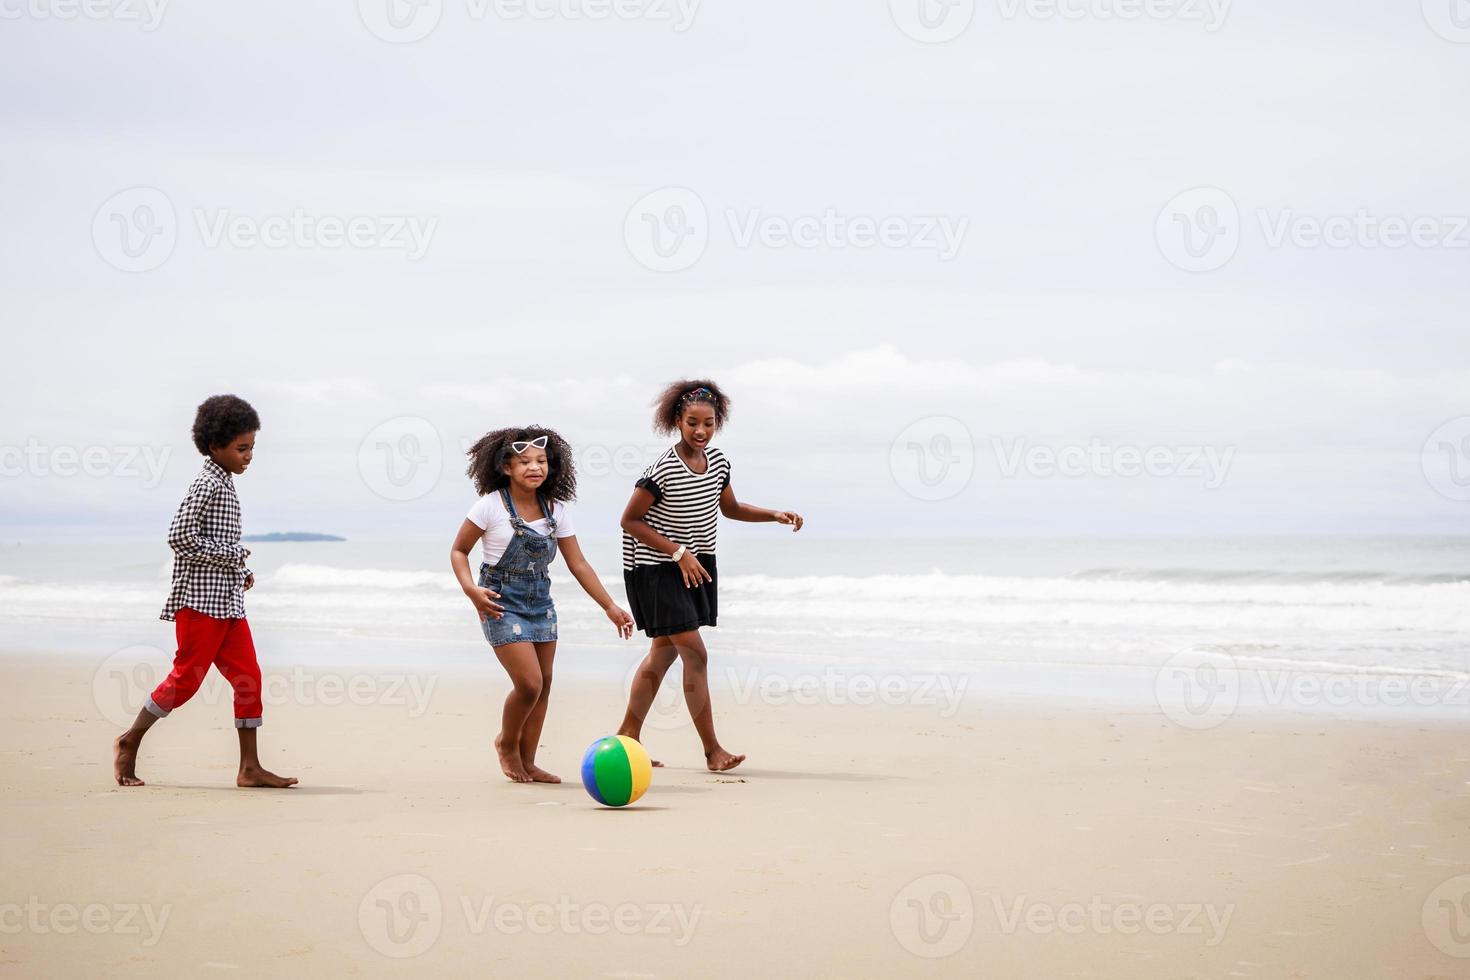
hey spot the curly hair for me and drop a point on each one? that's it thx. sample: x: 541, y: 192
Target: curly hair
x: 669, y: 406
x: 489, y: 456
x: 219, y: 419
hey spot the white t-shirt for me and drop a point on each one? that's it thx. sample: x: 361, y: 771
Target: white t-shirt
x: 489, y: 515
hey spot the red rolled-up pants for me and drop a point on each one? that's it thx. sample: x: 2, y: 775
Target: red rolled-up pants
x: 204, y: 640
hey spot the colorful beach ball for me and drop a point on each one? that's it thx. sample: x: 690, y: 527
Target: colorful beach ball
x: 616, y: 770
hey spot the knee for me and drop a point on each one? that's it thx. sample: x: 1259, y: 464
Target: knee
x: 545, y: 683
x: 693, y: 658
x: 528, y: 689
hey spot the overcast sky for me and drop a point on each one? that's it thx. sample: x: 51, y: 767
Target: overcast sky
x: 920, y: 265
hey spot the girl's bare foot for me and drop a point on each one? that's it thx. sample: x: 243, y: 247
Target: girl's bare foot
x: 539, y: 775
x: 124, y: 761
x: 510, y: 762
x: 253, y: 776
x: 721, y: 761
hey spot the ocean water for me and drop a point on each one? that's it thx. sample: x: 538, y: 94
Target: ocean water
x: 1392, y: 605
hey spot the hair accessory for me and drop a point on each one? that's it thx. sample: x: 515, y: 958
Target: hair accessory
x: 519, y: 447
x: 696, y: 393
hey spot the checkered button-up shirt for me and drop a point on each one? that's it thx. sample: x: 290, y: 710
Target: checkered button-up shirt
x: 209, y: 562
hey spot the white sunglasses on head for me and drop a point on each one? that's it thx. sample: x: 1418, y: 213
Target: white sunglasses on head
x: 520, y: 447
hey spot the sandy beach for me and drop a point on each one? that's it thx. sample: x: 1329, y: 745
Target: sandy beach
x: 879, y: 840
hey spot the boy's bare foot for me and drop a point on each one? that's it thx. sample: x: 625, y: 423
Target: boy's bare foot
x: 721, y: 761
x: 510, y: 763
x: 539, y: 775
x: 252, y: 776
x: 125, y: 760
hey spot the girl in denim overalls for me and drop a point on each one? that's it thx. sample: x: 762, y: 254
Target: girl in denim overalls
x: 525, y: 477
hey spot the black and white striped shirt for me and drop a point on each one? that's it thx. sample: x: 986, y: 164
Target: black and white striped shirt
x: 686, y: 506
x: 209, y: 561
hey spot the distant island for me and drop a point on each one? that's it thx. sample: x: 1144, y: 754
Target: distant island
x: 290, y: 536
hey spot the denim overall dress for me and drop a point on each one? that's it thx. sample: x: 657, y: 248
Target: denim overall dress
x: 523, y: 581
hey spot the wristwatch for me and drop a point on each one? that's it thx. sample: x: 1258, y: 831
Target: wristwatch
x: 679, y: 552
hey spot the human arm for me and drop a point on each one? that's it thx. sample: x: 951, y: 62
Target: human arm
x: 736, y: 511
x: 587, y: 578
x: 459, y: 559
x: 639, y: 529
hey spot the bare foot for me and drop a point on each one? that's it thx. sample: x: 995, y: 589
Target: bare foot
x: 510, y: 763
x: 124, y: 760
x: 252, y: 776
x: 539, y: 775
x: 721, y: 761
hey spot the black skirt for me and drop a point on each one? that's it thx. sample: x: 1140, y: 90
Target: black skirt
x: 662, y: 604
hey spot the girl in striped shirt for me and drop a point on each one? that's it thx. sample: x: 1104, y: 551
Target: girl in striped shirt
x: 669, y: 554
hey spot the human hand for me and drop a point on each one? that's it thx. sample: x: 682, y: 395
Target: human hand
x: 694, y: 573
x: 621, y: 620
x: 789, y: 517
x: 482, y: 600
